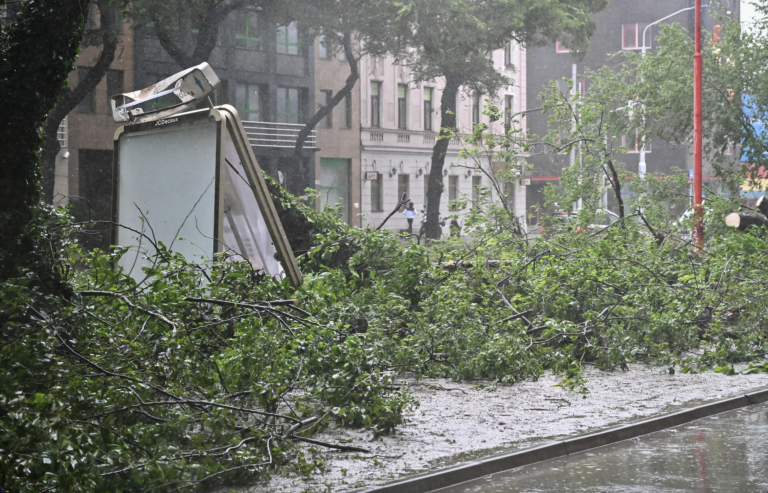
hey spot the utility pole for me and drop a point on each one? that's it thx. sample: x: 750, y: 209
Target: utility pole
x: 697, y: 130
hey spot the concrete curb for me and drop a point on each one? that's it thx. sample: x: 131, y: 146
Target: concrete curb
x: 442, y: 478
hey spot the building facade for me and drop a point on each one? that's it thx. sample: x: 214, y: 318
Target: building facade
x: 400, y: 122
x: 619, y: 28
x: 337, y: 162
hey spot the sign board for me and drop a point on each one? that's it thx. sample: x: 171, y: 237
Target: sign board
x: 192, y: 182
x: 525, y: 182
x: 371, y: 175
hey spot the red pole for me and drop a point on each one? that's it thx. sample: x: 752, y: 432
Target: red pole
x: 697, y: 133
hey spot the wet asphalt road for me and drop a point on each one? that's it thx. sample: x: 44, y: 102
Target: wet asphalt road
x: 726, y: 453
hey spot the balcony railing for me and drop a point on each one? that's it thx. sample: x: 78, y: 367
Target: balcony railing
x: 283, y: 135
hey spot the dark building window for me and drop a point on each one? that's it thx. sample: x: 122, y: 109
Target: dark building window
x: 508, y: 62
x: 288, y: 39
x: 629, y: 36
x: 403, y: 187
x: 88, y: 104
x: 251, y: 102
x: 375, y: 104
x: 291, y: 104
x: 476, y: 108
x: 95, y: 189
x: 348, y: 111
x: 402, y: 106
x: 248, y: 31
x: 326, y: 98
x: 477, y: 182
x: 428, y: 92
x: 377, y: 189
x: 453, y: 191
x: 114, y: 86
x: 630, y: 141
x: 322, y: 50
x: 509, y: 110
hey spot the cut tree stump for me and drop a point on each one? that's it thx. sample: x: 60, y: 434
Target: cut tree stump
x: 762, y: 206
x: 743, y: 221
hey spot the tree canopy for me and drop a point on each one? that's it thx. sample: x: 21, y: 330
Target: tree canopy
x: 455, y: 40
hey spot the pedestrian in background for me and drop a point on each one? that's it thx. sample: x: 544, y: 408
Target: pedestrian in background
x: 410, y: 213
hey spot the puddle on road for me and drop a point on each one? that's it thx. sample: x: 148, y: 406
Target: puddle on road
x: 720, y: 454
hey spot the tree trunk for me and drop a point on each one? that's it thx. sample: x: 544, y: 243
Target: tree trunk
x: 299, y: 179
x: 354, y: 75
x: 207, y: 36
x: 38, y: 51
x: 762, y: 206
x: 71, y: 98
x: 744, y: 221
x: 613, y: 178
x: 435, y: 184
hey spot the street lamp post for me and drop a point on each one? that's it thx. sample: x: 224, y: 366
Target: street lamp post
x: 641, y: 168
x: 697, y: 123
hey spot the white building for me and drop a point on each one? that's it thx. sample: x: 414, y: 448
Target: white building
x: 399, y: 123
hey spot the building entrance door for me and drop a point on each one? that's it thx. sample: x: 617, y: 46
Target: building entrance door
x: 334, y: 184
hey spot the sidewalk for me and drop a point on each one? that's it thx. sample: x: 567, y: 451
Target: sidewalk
x: 471, y: 421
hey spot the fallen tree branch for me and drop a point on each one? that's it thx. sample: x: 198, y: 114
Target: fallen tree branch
x: 743, y: 221
x: 131, y: 305
x: 402, y: 202
x: 344, y: 448
x: 515, y: 317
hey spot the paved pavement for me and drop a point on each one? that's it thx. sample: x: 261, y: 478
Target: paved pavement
x: 726, y: 453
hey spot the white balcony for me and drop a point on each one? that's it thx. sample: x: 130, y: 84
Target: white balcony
x: 277, y: 135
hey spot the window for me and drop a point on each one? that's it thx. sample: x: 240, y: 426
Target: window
x: 476, y: 108
x: 509, y: 110
x: 630, y: 142
x: 629, y: 36
x: 402, y: 113
x: 453, y: 191
x: 88, y: 104
x: 508, y: 56
x: 375, y: 104
x: 348, y: 111
x: 95, y: 188
x: 326, y: 97
x: 342, y: 55
x: 250, y: 101
x: 477, y: 182
x: 288, y: 39
x: 248, y: 31
x: 561, y: 48
x: 334, y: 184
x: 377, y: 187
x: 323, y: 49
x: 403, y: 187
x: 114, y: 86
x: 291, y: 105
x: 633, y: 144
x: 428, y: 92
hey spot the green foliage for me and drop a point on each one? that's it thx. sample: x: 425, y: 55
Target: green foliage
x: 188, y: 378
